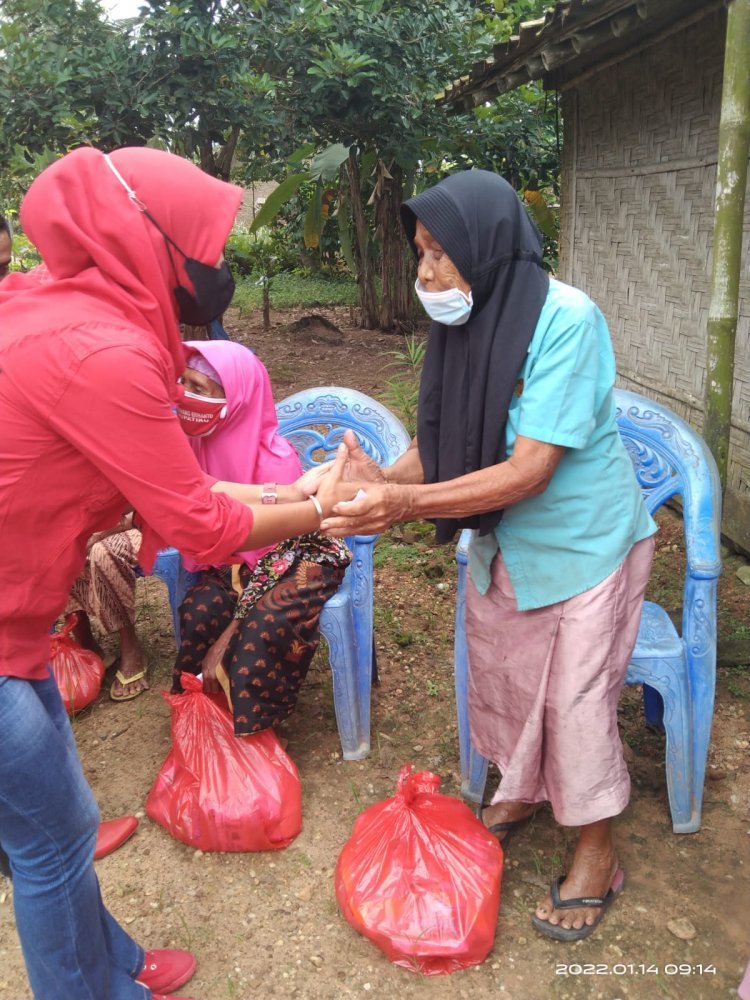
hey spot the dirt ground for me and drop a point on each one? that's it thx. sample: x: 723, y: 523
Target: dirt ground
x: 268, y: 924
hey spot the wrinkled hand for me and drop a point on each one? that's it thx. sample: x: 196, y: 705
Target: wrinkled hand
x: 309, y: 482
x: 359, y: 466
x: 371, y: 514
x: 332, y: 487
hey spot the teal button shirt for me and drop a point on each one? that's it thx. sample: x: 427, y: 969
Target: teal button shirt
x: 579, y: 530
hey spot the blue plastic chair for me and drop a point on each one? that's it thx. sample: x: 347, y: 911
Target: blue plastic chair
x: 677, y: 670
x: 168, y: 567
x: 314, y: 420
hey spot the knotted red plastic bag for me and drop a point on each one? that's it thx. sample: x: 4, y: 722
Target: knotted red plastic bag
x: 78, y: 672
x: 420, y: 877
x: 219, y: 792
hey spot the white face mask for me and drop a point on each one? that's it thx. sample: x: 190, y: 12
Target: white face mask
x: 451, y: 307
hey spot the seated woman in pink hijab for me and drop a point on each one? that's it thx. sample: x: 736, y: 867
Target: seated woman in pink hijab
x: 251, y: 627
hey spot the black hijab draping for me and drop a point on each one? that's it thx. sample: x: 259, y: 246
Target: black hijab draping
x: 470, y: 371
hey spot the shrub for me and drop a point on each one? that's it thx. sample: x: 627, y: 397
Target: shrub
x: 250, y: 253
x: 402, y: 388
x: 297, y: 290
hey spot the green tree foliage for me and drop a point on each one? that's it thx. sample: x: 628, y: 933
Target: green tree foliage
x: 202, y: 68
x: 251, y: 80
x: 179, y: 74
x: 357, y: 80
x: 66, y: 78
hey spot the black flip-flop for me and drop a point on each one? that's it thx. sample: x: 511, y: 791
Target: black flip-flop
x: 558, y: 933
x: 509, y: 827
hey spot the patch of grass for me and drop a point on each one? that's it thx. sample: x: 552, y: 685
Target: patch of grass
x: 546, y: 867
x: 739, y: 629
x: 383, y: 616
x: 397, y: 555
x: 386, y: 621
x: 447, y: 744
x: 292, y: 289
x: 738, y: 682
x: 187, y: 938
x: 300, y: 857
x: 356, y: 796
x: 522, y: 904
x: 280, y: 372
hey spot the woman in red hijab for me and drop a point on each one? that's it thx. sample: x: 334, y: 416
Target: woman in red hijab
x: 89, y: 362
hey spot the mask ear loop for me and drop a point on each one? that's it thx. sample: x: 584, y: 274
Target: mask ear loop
x: 142, y: 208
x: 131, y: 193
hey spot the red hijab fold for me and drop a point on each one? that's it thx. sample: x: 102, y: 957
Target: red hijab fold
x: 109, y: 263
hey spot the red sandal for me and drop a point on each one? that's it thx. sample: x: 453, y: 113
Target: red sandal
x: 112, y: 833
x: 166, y: 969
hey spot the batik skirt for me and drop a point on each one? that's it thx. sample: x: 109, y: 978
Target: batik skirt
x: 278, y: 613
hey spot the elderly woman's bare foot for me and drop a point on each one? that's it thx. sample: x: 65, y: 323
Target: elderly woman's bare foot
x: 593, y: 872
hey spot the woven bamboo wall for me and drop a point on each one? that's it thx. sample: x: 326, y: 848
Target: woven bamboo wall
x: 639, y: 176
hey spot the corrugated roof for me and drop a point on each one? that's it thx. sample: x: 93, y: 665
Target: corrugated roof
x: 571, y: 36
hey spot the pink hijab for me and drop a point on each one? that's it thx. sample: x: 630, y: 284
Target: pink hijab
x: 246, y: 447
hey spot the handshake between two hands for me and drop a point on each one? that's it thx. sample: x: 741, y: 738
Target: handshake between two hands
x: 351, y: 490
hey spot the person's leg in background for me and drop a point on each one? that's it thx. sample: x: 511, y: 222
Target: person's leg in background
x: 106, y: 589
x: 205, y: 612
x: 217, y: 332
x: 73, y: 948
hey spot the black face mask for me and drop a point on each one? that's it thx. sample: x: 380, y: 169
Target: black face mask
x: 214, y: 288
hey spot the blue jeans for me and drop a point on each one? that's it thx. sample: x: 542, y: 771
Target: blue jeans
x: 73, y: 948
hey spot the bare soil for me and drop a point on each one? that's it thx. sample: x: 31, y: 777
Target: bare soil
x: 268, y: 924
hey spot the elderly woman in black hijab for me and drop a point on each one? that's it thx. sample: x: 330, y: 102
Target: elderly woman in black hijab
x: 517, y: 440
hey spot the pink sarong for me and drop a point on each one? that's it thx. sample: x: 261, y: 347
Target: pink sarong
x: 744, y: 989
x: 544, y: 687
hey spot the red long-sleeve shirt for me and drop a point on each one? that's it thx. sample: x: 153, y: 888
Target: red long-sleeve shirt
x: 86, y: 429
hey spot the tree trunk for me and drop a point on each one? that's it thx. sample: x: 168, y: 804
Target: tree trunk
x: 219, y: 165
x: 731, y: 180
x: 368, y: 301
x: 225, y: 157
x: 208, y: 163
x: 266, y: 306
x: 396, y: 264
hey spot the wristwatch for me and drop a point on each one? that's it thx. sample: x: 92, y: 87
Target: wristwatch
x: 269, y: 494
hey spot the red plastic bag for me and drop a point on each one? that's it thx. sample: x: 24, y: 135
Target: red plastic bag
x: 219, y: 792
x: 79, y: 672
x: 420, y: 877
